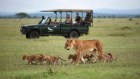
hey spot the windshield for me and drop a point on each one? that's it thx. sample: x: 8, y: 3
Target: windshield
x: 44, y: 20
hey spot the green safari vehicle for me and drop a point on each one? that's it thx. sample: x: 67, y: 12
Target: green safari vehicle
x: 59, y: 27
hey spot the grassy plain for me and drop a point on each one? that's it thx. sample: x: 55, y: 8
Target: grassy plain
x: 120, y: 37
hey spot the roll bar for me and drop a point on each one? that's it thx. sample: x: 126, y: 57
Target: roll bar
x: 69, y: 10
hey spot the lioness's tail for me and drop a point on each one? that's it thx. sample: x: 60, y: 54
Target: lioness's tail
x: 99, y: 45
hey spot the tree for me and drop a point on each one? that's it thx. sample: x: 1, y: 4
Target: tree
x: 22, y: 15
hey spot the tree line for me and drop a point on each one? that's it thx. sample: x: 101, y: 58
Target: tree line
x: 22, y: 15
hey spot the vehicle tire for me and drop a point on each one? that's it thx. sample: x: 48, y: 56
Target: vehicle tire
x: 74, y: 34
x: 33, y: 34
x: 66, y: 36
x: 27, y: 36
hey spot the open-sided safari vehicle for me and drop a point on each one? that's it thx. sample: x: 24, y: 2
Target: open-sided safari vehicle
x: 67, y: 24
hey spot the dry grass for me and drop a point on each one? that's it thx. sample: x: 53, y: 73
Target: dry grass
x: 120, y: 36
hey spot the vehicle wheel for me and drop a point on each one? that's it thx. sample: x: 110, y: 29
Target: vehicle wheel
x: 74, y: 34
x: 33, y: 34
x: 66, y: 36
x: 27, y: 36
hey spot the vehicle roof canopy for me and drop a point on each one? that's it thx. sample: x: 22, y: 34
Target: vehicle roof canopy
x: 69, y: 10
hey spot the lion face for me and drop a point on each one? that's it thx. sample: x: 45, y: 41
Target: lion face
x: 69, y: 44
x: 24, y: 57
x: 111, y: 57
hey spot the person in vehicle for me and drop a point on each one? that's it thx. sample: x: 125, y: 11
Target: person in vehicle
x: 68, y: 19
x: 78, y: 18
x: 88, y: 18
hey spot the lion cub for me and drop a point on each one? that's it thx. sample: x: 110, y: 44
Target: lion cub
x: 109, y: 57
x: 37, y: 58
x: 52, y: 59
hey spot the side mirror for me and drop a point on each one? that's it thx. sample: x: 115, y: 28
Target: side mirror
x: 43, y: 17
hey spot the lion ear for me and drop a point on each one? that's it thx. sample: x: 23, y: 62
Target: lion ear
x: 74, y: 41
x: 71, y: 40
x: 67, y: 40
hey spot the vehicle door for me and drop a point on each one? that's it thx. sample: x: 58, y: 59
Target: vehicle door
x: 83, y: 29
x: 54, y: 29
x: 43, y: 29
x: 66, y: 28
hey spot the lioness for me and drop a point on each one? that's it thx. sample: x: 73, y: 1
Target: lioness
x: 84, y: 46
x: 37, y: 58
x: 52, y: 59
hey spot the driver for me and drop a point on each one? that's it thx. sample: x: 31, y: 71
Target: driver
x: 78, y: 18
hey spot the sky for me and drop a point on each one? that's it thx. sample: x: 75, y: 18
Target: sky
x: 38, y: 5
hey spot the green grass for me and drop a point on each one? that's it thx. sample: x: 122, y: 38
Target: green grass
x: 120, y: 37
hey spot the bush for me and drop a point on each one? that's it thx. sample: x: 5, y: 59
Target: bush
x: 130, y: 19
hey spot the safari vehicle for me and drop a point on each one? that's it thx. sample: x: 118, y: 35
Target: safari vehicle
x: 58, y: 27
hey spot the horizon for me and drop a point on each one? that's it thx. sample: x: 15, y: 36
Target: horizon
x: 96, y: 12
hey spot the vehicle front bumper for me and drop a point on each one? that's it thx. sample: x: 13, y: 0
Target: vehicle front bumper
x: 23, y: 29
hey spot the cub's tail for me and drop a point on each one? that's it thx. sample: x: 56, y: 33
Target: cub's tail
x: 62, y: 59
